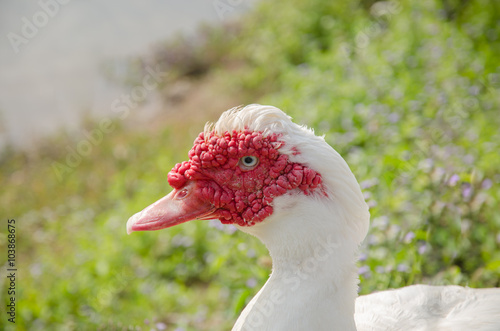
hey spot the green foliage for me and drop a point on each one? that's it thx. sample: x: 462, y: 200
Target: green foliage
x: 407, y: 92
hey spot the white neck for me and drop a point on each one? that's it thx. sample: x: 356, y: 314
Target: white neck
x: 313, y: 285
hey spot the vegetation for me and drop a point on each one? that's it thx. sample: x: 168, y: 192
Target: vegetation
x: 407, y: 91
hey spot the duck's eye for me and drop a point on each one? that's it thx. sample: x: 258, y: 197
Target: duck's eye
x: 249, y: 162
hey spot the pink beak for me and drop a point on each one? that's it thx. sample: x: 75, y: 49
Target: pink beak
x: 180, y: 206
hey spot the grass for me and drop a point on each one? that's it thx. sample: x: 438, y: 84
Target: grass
x: 407, y: 92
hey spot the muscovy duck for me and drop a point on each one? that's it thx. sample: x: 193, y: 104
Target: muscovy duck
x: 278, y: 181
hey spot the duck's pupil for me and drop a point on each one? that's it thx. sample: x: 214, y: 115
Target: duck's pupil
x: 248, y: 160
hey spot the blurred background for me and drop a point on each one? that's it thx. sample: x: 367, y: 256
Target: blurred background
x: 98, y: 101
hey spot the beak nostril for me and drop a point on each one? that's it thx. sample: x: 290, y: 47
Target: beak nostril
x: 181, y: 194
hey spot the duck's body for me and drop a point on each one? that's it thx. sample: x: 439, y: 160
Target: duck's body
x: 424, y: 307
x: 276, y: 180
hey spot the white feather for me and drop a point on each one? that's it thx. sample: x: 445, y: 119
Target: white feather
x: 423, y: 307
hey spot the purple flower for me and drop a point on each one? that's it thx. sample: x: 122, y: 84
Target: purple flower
x: 453, y: 180
x: 368, y: 183
x: 227, y: 228
x: 466, y: 190
x: 393, y: 117
x: 251, y: 282
x: 409, y: 237
x: 474, y: 90
x: 216, y: 224
x: 486, y: 184
x: 364, y: 271
x: 402, y: 267
x: 161, y: 326
x: 362, y: 257
x: 372, y: 240
x: 422, y: 248
x: 380, y: 269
